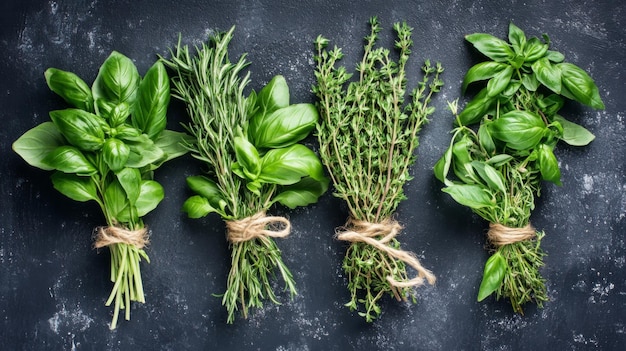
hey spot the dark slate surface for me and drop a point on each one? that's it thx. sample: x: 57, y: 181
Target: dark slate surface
x: 53, y: 285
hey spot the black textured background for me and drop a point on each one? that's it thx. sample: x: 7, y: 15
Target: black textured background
x: 53, y: 285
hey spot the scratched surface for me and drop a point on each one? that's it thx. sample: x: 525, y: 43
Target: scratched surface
x: 53, y: 285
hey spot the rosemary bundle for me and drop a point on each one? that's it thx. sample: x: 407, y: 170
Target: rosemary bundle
x: 367, y: 137
x: 497, y: 167
x: 250, y: 146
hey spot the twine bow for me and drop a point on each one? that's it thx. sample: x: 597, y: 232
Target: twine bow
x: 500, y: 235
x: 362, y: 231
x: 106, y: 236
x: 257, y: 226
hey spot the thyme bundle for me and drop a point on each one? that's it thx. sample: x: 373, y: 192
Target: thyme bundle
x: 367, y: 137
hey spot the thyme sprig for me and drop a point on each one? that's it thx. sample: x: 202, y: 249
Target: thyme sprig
x: 367, y: 137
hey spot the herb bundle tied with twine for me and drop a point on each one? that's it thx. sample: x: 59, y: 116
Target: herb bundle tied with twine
x: 367, y: 137
x: 250, y: 145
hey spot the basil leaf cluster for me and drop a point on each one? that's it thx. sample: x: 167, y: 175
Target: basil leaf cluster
x: 113, y: 127
x: 105, y: 147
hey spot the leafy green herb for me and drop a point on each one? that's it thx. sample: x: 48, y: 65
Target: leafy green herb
x: 250, y: 145
x: 105, y: 149
x: 497, y: 169
x: 367, y: 137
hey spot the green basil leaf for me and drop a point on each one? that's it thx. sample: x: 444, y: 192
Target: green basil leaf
x: 69, y: 159
x: 534, y: 49
x: 530, y: 82
x: 150, y: 195
x: 442, y: 167
x: 580, y: 85
x: 499, y: 81
x: 208, y: 189
x: 117, y: 80
x: 511, y: 89
x: 492, y: 47
x: 76, y: 188
x: 574, y: 134
x: 152, y: 101
x: 172, y: 143
x: 287, y: 166
x: 118, y: 114
x: 283, y: 127
x: 548, y: 165
x: 305, y: 192
x: 548, y: 74
x: 81, y: 128
x: 115, y: 154
x: 555, y: 56
x: 482, y: 71
x: 37, y: 143
x: 130, y: 180
x: 499, y: 160
x: 476, y: 109
x: 247, y: 157
x: 273, y: 96
x: 104, y: 108
x: 70, y: 87
x: 493, y: 275
x: 550, y: 105
x: 470, y: 195
x: 197, y: 207
x: 517, y: 38
x: 462, y: 159
x: 520, y: 130
x: 143, y: 151
x: 485, y: 139
x: 254, y: 187
x: 125, y: 131
x: 490, y: 175
x: 116, y: 202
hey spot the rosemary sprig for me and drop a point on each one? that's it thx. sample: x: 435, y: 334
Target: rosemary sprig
x: 367, y: 137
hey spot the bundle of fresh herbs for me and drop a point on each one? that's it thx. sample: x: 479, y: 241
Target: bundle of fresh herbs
x: 496, y: 168
x: 367, y: 137
x: 251, y: 147
x: 105, y: 148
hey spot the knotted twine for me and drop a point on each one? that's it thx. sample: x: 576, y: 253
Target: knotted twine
x: 257, y: 226
x: 363, y: 231
x: 500, y: 235
x: 106, y: 236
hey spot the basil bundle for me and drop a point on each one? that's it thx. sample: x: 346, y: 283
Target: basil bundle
x: 496, y: 169
x: 251, y: 147
x: 105, y: 148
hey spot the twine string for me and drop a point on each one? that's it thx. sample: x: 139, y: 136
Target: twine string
x: 257, y: 226
x: 363, y: 231
x: 500, y: 235
x: 106, y: 236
